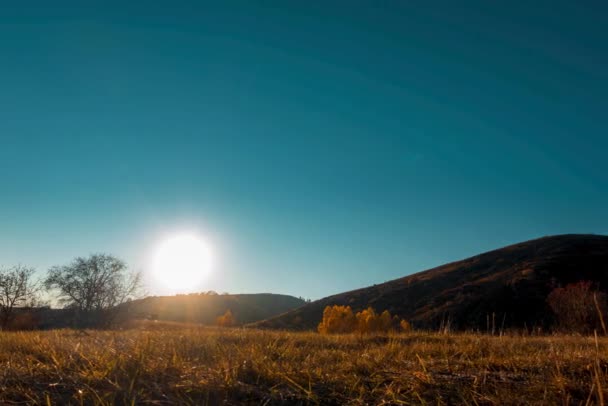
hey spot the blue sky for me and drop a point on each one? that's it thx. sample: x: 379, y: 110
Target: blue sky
x: 318, y: 146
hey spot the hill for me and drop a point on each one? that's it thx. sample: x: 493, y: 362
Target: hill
x: 205, y: 308
x: 188, y: 309
x: 510, y: 285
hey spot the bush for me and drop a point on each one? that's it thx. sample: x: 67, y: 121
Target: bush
x: 578, y: 307
x: 25, y: 320
x: 226, y: 320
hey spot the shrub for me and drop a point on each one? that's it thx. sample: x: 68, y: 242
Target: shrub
x: 26, y: 320
x: 578, y: 307
x: 226, y: 320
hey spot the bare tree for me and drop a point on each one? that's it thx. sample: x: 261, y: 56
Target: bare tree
x: 17, y: 289
x: 93, y: 286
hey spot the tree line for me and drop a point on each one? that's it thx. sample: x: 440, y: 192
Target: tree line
x: 342, y: 320
x: 91, y: 287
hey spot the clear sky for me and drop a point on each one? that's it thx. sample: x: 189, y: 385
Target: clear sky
x: 318, y: 146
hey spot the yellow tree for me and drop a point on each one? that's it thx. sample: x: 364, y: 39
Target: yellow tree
x: 336, y: 320
x: 385, y: 322
x: 405, y: 325
x: 226, y: 320
x: 340, y: 319
x: 367, y: 321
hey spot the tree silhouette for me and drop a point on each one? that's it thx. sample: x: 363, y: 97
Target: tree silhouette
x: 16, y: 290
x: 93, y: 286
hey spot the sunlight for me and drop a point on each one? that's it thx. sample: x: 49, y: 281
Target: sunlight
x: 182, y: 262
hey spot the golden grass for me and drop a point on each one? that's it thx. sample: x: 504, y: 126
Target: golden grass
x: 193, y: 365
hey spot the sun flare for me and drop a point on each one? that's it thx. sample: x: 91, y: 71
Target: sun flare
x: 182, y: 262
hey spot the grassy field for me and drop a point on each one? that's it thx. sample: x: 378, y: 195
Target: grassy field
x: 176, y: 364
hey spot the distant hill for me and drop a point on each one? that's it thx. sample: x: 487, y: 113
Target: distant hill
x: 205, y: 308
x: 512, y: 283
x: 191, y: 309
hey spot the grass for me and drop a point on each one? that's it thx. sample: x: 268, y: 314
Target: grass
x: 174, y: 364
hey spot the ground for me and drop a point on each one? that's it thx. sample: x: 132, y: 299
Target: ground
x: 173, y: 364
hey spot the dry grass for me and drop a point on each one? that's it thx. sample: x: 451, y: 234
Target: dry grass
x: 191, y: 365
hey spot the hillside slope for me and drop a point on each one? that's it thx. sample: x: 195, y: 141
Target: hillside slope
x: 246, y: 308
x: 512, y: 283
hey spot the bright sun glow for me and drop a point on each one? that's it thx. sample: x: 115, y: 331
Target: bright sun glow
x: 182, y: 262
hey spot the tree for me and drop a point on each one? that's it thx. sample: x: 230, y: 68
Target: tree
x: 367, y: 321
x: 405, y: 325
x: 94, y: 285
x: 337, y: 319
x: 385, y: 321
x: 226, y: 320
x: 16, y: 289
x: 341, y: 320
x: 578, y: 307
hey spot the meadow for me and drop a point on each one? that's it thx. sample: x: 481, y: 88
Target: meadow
x: 164, y: 363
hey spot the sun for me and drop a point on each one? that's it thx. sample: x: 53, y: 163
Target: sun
x: 182, y: 262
